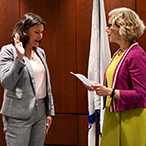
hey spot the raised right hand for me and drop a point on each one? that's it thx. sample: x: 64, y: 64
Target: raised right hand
x: 19, y: 47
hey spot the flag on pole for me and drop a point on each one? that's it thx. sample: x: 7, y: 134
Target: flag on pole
x: 99, y: 58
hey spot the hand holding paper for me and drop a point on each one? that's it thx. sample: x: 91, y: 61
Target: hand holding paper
x: 83, y: 79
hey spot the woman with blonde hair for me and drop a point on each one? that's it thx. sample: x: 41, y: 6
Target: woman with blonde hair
x: 124, y: 88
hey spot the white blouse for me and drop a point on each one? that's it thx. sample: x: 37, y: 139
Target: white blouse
x: 39, y: 77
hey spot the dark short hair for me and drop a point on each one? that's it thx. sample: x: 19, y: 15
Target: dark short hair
x: 25, y: 22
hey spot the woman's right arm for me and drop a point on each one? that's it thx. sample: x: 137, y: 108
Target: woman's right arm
x: 10, y: 67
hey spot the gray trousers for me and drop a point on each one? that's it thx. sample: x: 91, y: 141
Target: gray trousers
x: 29, y: 132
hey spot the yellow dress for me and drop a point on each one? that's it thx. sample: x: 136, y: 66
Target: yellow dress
x: 122, y: 128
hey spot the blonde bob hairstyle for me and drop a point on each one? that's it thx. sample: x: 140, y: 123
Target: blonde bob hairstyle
x: 128, y: 23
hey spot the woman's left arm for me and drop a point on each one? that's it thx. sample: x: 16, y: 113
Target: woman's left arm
x: 137, y: 71
x: 48, y: 123
x: 102, y: 90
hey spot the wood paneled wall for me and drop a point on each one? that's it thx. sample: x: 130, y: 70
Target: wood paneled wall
x: 66, y: 43
x: 9, y: 15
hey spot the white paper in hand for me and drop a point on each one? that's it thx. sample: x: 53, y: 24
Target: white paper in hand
x: 82, y: 78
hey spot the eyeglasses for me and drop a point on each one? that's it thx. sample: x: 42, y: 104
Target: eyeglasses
x: 109, y: 25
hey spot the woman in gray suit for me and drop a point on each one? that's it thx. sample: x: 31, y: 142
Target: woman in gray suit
x: 28, y: 102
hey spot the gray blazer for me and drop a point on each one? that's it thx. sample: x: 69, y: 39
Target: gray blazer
x: 19, y: 86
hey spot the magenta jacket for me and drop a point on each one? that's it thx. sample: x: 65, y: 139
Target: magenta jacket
x: 130, y: 78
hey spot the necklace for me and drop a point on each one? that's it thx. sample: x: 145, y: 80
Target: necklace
x: 31, y: 55
x: 119, y: 53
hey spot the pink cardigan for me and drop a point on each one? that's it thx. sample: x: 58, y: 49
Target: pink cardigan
x: 130, y: 78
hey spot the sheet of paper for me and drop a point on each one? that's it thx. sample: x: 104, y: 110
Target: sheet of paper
x: 82, y: 78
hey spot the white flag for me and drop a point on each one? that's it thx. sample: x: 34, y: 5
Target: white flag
x: 99, y: 58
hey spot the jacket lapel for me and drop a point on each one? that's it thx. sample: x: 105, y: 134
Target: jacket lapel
x: 119, y: 65
x: 42, y: 57
x: 112, y: 105
x: 30, y: 70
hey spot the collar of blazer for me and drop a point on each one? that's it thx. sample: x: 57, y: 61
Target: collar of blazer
x: 30, y: 70
x: 41, y: 54
x: 43, y: 59
x: 116, y: 73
